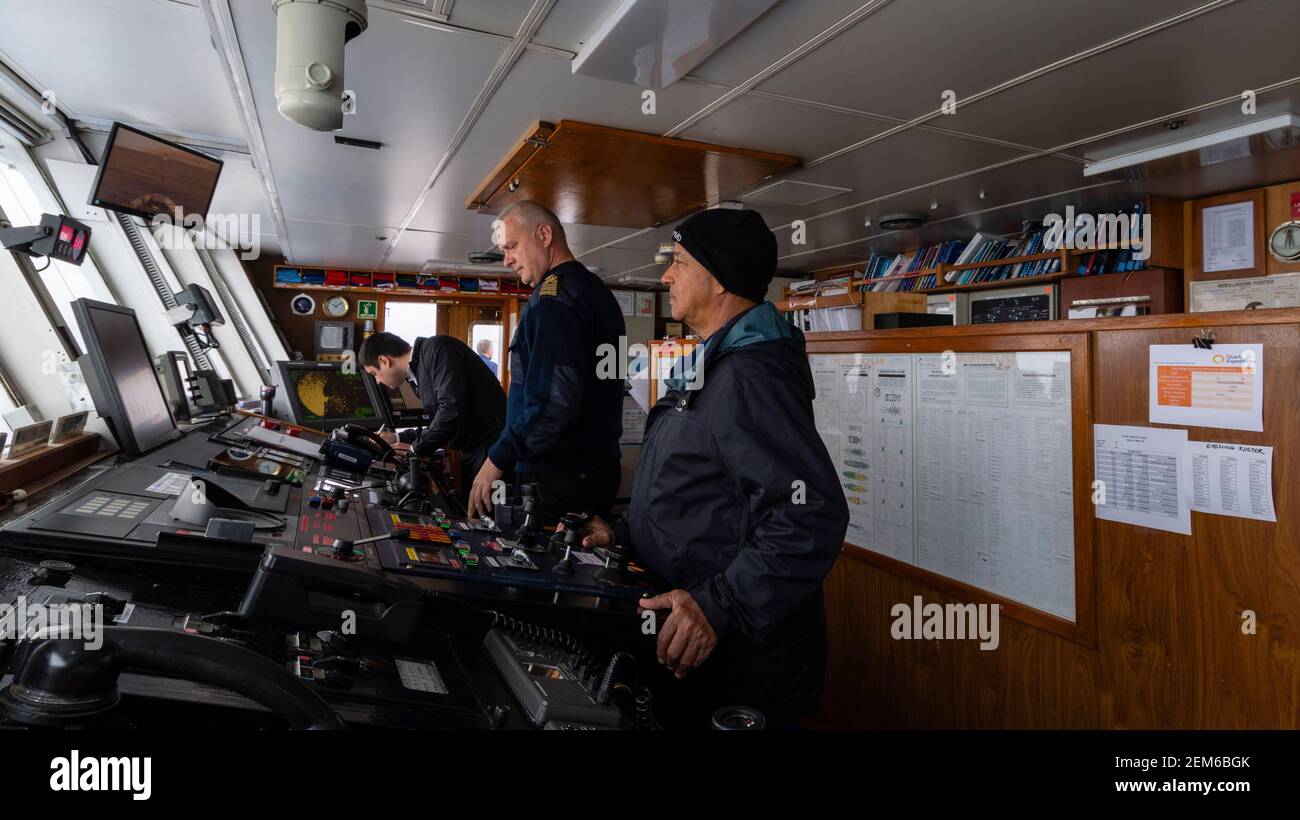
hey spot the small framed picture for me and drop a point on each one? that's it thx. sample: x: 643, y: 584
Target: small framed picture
x: 31, y: 437
x: 69, y: 426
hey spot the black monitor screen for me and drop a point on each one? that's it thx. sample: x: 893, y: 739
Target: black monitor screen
x: 147, y: 176
x: 331, y: 394
x: 136, y: 407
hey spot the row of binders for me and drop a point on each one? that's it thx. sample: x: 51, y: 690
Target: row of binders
x: 888, y: 272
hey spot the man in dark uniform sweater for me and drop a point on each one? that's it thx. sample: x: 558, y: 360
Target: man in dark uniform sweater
x: 464, y: 401
x: 563, y: 420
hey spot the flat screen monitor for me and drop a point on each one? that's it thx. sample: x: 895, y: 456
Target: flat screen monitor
x: 145, y: 176
x: 121, y: 377
x: 323, y: 396
x: 333, y: 337
x: 400, y: 407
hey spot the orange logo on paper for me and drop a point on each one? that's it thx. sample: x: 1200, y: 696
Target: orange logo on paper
x: 1219, y: 358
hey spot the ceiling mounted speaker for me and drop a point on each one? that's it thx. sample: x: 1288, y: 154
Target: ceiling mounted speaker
x: 902, y: 222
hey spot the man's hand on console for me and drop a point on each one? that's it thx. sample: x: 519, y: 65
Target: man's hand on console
x: 596, y: 534
x: 480, y: 495
x: 686, y: 639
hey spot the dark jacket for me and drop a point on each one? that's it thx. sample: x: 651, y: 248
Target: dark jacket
x: 561, y: 417
x: 715, y: 510
x: 464, y: 401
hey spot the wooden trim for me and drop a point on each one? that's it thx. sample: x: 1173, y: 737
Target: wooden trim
x: 421, y: 293
x: 1083, y: 629
x: 49, y: 464
x: 526, y: 148
x: 844, y: 341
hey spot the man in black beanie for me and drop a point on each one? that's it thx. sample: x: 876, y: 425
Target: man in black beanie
x: 736, y: 501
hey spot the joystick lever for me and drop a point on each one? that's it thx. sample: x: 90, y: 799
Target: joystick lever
x: 568, y: 539
x: 527, y: 535
x: 343, y: 550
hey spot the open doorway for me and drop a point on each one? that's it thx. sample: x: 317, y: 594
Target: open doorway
x: 486, y: 340
x: 411, y: 320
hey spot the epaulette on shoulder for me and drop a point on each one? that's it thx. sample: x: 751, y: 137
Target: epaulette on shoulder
x: 550, y: 286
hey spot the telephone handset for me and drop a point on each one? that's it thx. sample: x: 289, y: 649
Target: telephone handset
x: 369, y: 441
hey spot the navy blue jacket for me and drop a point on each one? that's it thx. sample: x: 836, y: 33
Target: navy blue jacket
x: 561, y: 418
x: 716, y: 510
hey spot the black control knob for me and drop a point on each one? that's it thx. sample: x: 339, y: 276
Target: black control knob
x: 53, y: 573
x: 343, y: 550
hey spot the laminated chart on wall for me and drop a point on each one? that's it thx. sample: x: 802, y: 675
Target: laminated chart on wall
x: 864, y: 415
x: 970, y: 473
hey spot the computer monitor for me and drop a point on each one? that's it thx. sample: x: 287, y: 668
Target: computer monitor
x: 148, y: 177
x: 321, y: 395
x: 121, y: 377
x: 400, y: 407
x: 1031, y: 304
x: 333, y: 338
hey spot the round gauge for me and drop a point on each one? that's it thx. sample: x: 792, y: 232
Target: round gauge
x: 237, y: 454
x: 268, y: 468
x: 336, y: 307
x: 1284, y: 243
x: 303, y: 305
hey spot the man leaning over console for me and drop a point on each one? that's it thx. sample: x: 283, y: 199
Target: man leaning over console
x: 736, y: 501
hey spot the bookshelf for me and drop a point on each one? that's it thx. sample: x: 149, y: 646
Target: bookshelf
x: 510, y: 288
x: 1167, y: 223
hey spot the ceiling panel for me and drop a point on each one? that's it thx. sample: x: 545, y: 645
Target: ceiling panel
x: 787, y: 128
x: 900, y: 60
x: 496, y: 16
x: 572, y: 22
x: 418, y: 247
x: 772, y: 36
x: 413, y: 85
x: 541, y: 87
x: 324, y: 243
x: 1188, y: 65
x: 124, y: 49
x: 900, y: 162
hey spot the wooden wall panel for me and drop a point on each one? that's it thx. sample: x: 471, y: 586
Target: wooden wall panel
x: 1170, y: 651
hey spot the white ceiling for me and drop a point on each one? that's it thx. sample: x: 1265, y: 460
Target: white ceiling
x: 1053, y: 84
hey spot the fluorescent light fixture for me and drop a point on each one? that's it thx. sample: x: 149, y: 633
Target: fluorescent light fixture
x: 1220, y: 146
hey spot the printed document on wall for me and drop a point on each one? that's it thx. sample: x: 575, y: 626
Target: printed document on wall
x: 1231, y: 479
x: 1222, y: 387
x: 995, y: 500
x: 1141, y: 477
x: 864, y: 415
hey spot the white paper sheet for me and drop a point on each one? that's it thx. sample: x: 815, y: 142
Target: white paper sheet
x: 1231, y: 479
x: 958, y: 463
x: 1222, y: 387
x: 1228, y: 237
x: 1141, y: 475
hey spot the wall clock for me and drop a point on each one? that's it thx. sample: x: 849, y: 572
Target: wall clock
x: 336, y: 307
